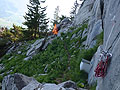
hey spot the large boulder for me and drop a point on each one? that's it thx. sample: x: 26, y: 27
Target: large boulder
x: 38, y: 45
x: 68, y: 84
x: 33, y: 85
x: 52, y: 87
x: 35, y: 47
x: 15, y: 82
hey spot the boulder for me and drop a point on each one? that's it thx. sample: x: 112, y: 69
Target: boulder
x: 13, y: 47
x: 15, y: 82
x: 33, y: 85
x: 52, y: 87
x: 38, y: 46
x: 68, y: 84
x: 35, y: 47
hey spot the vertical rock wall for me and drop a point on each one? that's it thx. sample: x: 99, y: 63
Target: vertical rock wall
x: 111, y: 44
x: 103, y: 15
x: 91, y: 13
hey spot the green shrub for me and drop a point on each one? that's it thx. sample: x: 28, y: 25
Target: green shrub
x: 100, y: 38
x: 3, y: 42
x: 93, y: 87
x: 88, y: 54
x: 1, y: 78
x: 72, y: 28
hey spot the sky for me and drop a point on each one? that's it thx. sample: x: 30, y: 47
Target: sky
x: 12, y: 11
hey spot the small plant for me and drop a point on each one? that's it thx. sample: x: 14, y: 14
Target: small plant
x: 1, y: 78
x: 88, y: 54
x: 72, y: 28
x: 93, y: 87
x: 100, y: 38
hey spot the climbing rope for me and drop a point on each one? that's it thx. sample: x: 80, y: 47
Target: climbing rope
x: 101, y: 68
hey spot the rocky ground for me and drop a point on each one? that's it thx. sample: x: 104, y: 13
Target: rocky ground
x: 22, y: 82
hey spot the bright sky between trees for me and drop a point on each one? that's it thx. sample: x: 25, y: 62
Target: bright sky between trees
x: 12, y: 11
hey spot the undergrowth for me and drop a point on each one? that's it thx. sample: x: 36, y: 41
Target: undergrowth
x: 58, y: 63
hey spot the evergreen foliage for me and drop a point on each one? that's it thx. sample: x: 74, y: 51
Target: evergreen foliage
x: 36, y: 20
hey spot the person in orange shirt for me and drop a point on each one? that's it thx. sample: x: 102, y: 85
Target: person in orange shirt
x: 55, y: 30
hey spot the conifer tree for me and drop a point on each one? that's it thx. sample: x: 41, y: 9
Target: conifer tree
x: 35, y: 17
x: 43, y: 27
x: 56, y: 16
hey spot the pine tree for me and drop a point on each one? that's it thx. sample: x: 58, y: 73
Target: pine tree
x: 43, y: 27
x: 35, y: 16
x: 56, y: 16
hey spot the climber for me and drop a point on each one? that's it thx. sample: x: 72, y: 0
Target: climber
x: 55, y: 30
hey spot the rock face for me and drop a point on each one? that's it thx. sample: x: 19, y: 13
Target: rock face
x: 64, y: 26
x: 38, y: 45
x: 84, y: 12
x: 34, y: 47
x: 111, y: 44
x: 104, y: 16
x: 90, y: 12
